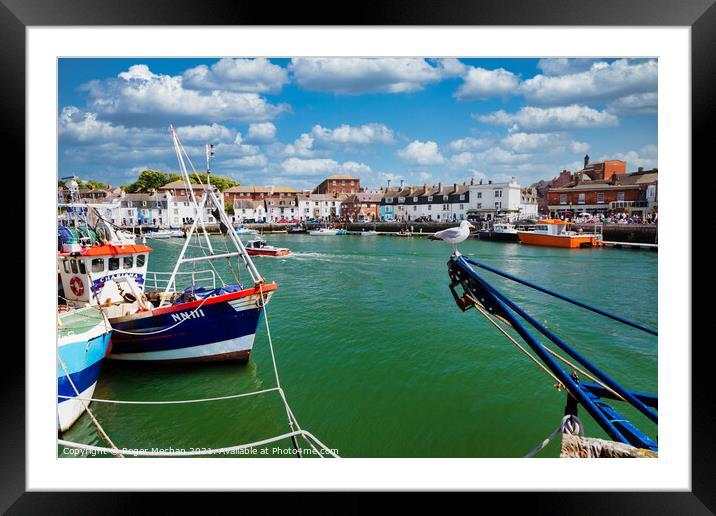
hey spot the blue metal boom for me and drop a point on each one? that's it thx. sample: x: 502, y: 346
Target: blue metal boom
x: 475, y: 288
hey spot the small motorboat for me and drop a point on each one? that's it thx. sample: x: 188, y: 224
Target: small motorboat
x: 298, y: 228
x: 259, y: 247
x: 341, y: 231
x: 555, y: 233
x: 165, y: 233
x: 245, y: 231
x: 323, y: 232
x: 402, y: 233
x: 371, y: 232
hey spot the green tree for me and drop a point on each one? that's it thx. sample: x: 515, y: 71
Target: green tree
x: 151, y: 180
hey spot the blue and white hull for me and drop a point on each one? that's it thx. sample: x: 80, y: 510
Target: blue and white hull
x: 81, y: 355
x: 220, y: 327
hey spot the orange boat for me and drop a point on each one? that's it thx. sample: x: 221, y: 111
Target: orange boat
x: 554, y: 233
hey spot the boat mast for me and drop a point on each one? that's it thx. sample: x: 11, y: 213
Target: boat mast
x: 209, y: 196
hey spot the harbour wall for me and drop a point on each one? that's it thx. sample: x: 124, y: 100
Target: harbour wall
x: 634, y: 233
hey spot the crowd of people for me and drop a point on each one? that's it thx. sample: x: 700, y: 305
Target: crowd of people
x: 616, y: 218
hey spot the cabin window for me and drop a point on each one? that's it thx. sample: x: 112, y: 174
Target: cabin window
x: 73, y: 264
x: 66, y: 266
x: 98, y: 265
x: 81, y: 265
x: 140, y: 259
x: 114, y: 263
x: 127, y: 262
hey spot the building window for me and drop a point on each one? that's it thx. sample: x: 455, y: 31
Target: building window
x: 415, y: 199
x: 462, y: 197
x: 430, y: 198
x: 445, y: 197
x: 401, y: 199
x: 563, y: 198
x: 479, y: 195
x: 430, y: 207
x: 498, y: 193
x: 620, y: 196
x: 498, y: 205
x: 479, y: 205
x: 580, y: 199
x: 462, y: 206
x: 388, y: 199
x: 415, y: 208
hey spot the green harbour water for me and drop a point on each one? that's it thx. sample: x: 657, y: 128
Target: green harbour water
x: 377, y: 360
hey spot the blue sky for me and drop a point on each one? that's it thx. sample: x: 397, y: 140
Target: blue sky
x: 296, y: 121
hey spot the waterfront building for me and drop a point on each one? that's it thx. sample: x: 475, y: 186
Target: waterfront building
x: 529, y: 203
x: 247, y: 211
x: 338, y: 184
x: 496, y: 200
x: 362, y: 207
x: 281, y: 208
x: 635, y: 192
x: 319, y: 206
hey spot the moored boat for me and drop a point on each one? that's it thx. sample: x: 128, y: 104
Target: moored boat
x: 323, y: 232
x: 82, y: 344
x: 554, y: 233
x: 245, y: 231
x: 370, y: 232
x: 172, y: 322
x: 259, y: 247
x: 165, y: 233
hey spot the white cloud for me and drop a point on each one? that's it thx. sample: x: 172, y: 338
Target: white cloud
x: 352, y: 135
x: 562, y: 117
x: 646, y: 157
x: 140, y: 96
x: 302, y: 146
x: 424, y: 176
x: 422, y: 153
x: 241, y: 75
x: 213, y: 133
x: 355, y: 75
x: 602, y: 82
x: 564, y: 66
x: 480, y: 83
x: 78, y: 127
x: 543, y: 142
x: 466, y: 144
x: 636, y: 104
x: 321, y: 166
x: 263, y: 132
x: 254, y: 161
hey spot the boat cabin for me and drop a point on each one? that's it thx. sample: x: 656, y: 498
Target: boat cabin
x: 553, y: 227
x: 104, y: 274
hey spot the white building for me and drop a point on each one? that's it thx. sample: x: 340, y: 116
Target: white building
x: 319, y: 206
x: 529, y: 208
x: 247, y: 211
x: 496, y: 200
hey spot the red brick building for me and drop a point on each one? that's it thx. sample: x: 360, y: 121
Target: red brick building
x: 338, y: 184
x: 635, y: 192
x: 362, y: 207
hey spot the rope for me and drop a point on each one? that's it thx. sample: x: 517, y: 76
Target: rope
x: 86, y: 407
x: 570, y: 424
x: 488, y: 316
x: 176, y: 402
x: 125, y: 332
x: 192, y: 453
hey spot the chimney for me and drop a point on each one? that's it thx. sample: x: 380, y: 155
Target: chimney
x: 440, y: 187
x: 401, y: 184
x: 586, y: 160
x: 454, y: 187
x: 472, y: 180
x: 480, y: 180
x: 489, y: 182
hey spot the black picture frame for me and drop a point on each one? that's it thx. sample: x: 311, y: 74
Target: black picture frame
x: 700, y: 15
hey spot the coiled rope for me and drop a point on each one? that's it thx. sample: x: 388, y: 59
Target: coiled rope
x: 570, y: 424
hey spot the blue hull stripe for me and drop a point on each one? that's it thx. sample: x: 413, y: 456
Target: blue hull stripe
x: 211, y: 323
x: 79, y: 355
x: 82, y: 380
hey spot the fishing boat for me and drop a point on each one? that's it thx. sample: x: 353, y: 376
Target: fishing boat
x: 259, y: 247
x: 323, y: 232
x: 173, y: 322
x: 82, y: 345
x: 554, y: 233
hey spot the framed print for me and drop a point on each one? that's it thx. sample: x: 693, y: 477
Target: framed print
x: 422, y: 246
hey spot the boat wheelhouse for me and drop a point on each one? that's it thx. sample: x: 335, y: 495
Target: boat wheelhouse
x: 260, y: 247
x: 555, y: 233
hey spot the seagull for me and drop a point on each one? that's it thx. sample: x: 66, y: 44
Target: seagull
x: 454, y: 235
